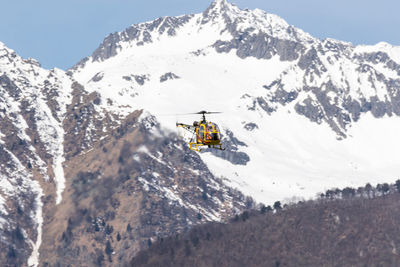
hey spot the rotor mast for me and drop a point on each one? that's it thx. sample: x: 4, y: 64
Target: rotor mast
x: 203, y: 113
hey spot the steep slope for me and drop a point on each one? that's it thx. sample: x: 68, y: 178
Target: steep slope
x: 356, y: 231
x: 300, y: 114
x: 78, y: 180
x: 33, y: 105
x: 135, y: 185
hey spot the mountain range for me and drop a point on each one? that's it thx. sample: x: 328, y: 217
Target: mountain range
x: 93, y: 170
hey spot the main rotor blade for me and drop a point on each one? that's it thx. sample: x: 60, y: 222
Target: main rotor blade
x: 195, y: 113
x: 207, y: 112
x: 213, y: 112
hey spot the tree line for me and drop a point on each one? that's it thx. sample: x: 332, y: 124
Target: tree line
x: 368, y: 191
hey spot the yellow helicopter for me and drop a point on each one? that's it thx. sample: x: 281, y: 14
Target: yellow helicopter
x: 205, y: 133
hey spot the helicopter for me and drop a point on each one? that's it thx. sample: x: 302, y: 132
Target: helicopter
x: 205, y: 133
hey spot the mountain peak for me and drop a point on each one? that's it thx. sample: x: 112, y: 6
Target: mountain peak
x: 218, y: 9
x: 218, y: 6
x: 220, y: 3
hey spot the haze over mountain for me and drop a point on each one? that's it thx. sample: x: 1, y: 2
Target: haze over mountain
x: 92, y: 170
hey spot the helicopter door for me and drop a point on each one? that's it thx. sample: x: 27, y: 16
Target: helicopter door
x: 202, y: 131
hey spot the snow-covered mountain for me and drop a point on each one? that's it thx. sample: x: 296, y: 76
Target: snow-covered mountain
x: 300, y: 114
x: 73, y: 172
x: 91, y: 168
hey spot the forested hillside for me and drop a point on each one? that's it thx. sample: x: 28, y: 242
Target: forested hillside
x: 349, y: 227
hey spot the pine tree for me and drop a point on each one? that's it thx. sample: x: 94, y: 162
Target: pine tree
x: 397, y: 184
x: 277, y: 205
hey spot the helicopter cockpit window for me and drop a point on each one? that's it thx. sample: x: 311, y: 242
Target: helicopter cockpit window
x: 214, y: 132
x: 216, y: 128
x: 211, y: 127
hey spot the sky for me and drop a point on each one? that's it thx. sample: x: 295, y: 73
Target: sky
x: 59, y: 33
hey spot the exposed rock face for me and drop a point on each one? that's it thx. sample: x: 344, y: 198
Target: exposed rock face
x: 325, y: 98
x: 168, y: 76
x: 139, y: 34
x: 84, y: 124
x: 231, y: 146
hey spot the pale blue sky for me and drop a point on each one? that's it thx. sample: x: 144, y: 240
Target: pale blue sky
x: 59, y: 33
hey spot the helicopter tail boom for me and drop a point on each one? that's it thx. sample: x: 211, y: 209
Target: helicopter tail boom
x: 185, y: 126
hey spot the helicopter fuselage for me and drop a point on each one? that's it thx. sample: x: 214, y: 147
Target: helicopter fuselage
x: 207, y: 134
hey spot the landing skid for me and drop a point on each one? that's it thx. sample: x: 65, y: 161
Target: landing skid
x: 197, y: 146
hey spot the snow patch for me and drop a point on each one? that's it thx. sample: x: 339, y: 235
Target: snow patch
x: 1, y: 137
x: 174, y: 198
x: 21, y: 181
x: 34, y: 258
